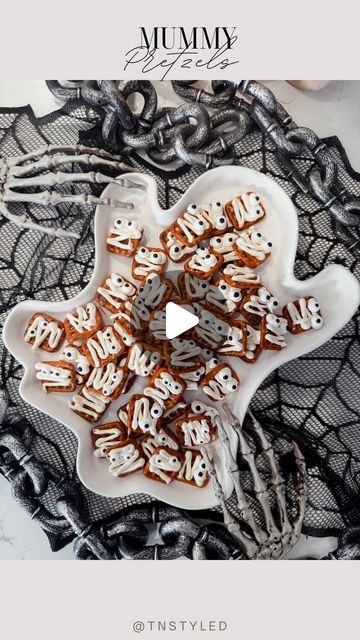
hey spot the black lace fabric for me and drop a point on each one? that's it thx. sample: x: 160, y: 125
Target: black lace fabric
x: 314, y: 399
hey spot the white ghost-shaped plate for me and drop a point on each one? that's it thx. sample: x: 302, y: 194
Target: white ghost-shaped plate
x: 335, y: 288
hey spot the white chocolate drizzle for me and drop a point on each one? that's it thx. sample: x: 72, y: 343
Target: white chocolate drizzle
x: 254, y: 244
x: 103, y: 345
x: 160, y: 439
x: 196, y: 432
x: 247, y: 208
x: 84, y: 319
x: 149, y: 260
x: 106, y: 379
x: 143, y: 361
x: 307, y: 316
x: 41, y: 330
x: 89, y: 403
x: 52, y: 376
x: 117, y: 290
x: 193, y: 469
x: 106, y: 437
x: 163, y: 461
x: 125, y: 459
x: 163, y: 388
x: 242, y: 274
x: 125, y: 232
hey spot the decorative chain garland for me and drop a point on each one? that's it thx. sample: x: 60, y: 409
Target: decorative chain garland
x: 169, y: 135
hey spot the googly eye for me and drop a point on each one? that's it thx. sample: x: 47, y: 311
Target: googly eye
x: 106, y: 392
x: 107, y: 335
x: 143, y: 250
x: 258, y: 235
x: 158, y: 460
x: 223, y: 287
x: 192, y: 208
x: 155, y: 357
x: 230, y: 338
x: 218, y: 240
x: 162, y: 439
x: 275, y: 303
x: 203, y: 465
x: 222, y: 220
x: 130, y: 223
x: 231, y: 239
x: 234, y: 387
x: 176, y: 249
x: 191, y: 343
x: 119, y: 222
x: 127, y: 457
x: 203, y: 285
x: 258, y: 212
x: 174, y: 460
x: 317, y: 322
x: 269, y: 245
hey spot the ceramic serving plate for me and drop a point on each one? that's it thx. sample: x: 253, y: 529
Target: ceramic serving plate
x: 335, y: 288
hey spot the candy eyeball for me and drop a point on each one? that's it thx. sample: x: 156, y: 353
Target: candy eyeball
x: 117, y: 279
x: 156, y: 411
x: 107, y: 334
x: 193, y: 208
x: 269, y: 245
x: 313, y: 305
x: 155, y: 357
x: 235, y: 295
x: 216, y: 206
x: 120, y: 223
x: 205, y: 286
x: 70, y: 353
x: 274, y: 303
x: 316, y: 322
x: 264, y: 295
x: 157, y: 257
x: 174, y: 461
x: 143, y: 251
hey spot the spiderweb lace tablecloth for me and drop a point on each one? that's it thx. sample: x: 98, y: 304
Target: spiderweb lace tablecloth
x: 314, y: 399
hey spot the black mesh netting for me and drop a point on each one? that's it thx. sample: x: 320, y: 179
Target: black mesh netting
x: 314, y: 399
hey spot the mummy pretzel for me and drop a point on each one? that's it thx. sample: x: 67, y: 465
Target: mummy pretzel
x: 89, y: 405
x: 164, y: 464
x: 272, y: 332
x: 176, y: 250
x: 257, y: 303
x: 214, y: 213
x: 143, y: 359
x: 191, y: 287
x: 224, y: 246
x: 107, y: 435
x: 72, y: 354
x: 82, y: 323
x: 253, y: 347
x: 162, y: 438
x: 182, y: 355
x: 211, y: 331
x: 144, y: 415
x: 219, y: 382
x: 191, y: 227
x: 203, y: 263
x: 303, y: 314
x: 154, y: 292
x: 165, y: 388
x: 235, y: 343
x: 223, y: 298
x: 194, y: 431
x: 125, y: 237
x: 192, y: 378
x: 146, y: 260
x: 103, y: 347
x: 114, y: 292
x: 157, y: 327
x: 56, y: 376
x: 44, y: 332
x: 194, y: 469
x: 200, y: 408
x: 252, y: 248
x: 125, y: 458
x: 131, y: 320
x: 109, y: 381
x: 241, y: 277
x: 244, y: 210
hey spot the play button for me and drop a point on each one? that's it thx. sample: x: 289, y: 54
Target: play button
x: 178, y: 320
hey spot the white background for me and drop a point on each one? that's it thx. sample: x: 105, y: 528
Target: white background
x: 334, y: 110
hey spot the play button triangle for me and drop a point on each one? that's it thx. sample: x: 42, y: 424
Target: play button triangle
x: 178, y: 320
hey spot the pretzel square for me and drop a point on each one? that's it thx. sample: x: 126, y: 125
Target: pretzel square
x: 115, y: 291
x: 147, y: 260
x: 83, y: 323
x: 164, y: 464
x: 107, y: 435
x: 44, y: 332
x: 204, y: 263
x: 103, y: 347
x: 125, y: 458
x: 56, y: 376
x: 124, y: 237
x: 194, y: 469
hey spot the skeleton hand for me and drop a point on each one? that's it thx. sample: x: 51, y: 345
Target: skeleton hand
x: 279, y: 535
x: 19, y: 172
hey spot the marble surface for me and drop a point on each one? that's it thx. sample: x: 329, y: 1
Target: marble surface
x: 334, y: 110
